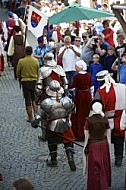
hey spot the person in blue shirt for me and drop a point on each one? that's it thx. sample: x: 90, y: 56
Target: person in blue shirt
x: 40, y: 50
x: 109, y: 60
x: 95, y: 67
x: 96, y: 5
x: 122, y: 69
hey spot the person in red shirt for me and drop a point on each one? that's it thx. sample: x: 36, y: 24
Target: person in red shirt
x: 108, y: 33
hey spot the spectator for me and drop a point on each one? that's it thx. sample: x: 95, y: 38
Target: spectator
x: 67, y: 32
x: 69, y: 53
x: 98, y: 28
x: 109, y: 60
x: 27, y: 73
x: 104, y: 7
x: 95, y: 67
x: 84, y: 38
x: 98, y: 143
x: 122, y: 69
x: 21, y: 9
x: 96, y: 5
x: 89, y: 31
x: 108, y: 33
x: 121, y: 48
x: 74, y: 31
x: 97, y: 45
x: 77, y: 43
x: 38, y: 4
x: 83, y: 25
x: 56, y: 33
x: 87, y: 53
x: 23, y: 184
x: 40, y: 50
x: 84, y: 92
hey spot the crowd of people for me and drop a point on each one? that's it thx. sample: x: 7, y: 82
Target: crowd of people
x: 75, y: 85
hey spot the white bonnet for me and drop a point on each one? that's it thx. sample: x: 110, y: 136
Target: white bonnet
x: 82, y: 65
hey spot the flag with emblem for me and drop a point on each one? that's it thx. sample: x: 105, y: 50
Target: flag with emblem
x: 36, y: 21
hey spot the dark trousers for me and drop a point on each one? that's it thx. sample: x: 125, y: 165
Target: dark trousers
x: 118, y: 145
x: 29, y: 91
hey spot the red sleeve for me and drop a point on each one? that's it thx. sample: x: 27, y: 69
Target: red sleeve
x: 87, y: 125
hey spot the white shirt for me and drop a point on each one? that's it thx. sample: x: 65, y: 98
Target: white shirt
x: 79, y: 50
x: 69, y: 58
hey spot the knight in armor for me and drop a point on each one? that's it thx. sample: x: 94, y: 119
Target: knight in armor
x: 113, y: 96
x: 55, y: 110
x: 48, y: 72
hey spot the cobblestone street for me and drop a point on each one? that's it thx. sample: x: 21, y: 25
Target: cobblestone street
x: 23, y: 155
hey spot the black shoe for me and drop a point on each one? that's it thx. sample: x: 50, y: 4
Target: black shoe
x: 118, y: 161
x: 51, y: 163
x: 72, y: 164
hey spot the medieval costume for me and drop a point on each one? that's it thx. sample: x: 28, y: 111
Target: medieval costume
x: 55, y: 112
x: 27, y: 72
x: 83, y: 96
x: 113, y: 96
x: 97, y: 149
x: 16, y: 47
x: 1, y: 55
x: 48, y: 72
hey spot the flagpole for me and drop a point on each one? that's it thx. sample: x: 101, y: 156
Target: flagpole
x: 26, y: 22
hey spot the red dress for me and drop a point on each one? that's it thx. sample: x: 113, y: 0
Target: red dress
x: 1, y: 54
x: 82, y: 100
x: 99, y: 164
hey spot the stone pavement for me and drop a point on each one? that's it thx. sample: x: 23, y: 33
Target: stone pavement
x: 23, y: 155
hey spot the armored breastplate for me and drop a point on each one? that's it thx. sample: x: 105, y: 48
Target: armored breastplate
x: 57, y: 113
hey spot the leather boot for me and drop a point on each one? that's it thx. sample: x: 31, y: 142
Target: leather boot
x: 53, y: 153
x: 35, y: 108
x: 29, y: 112
x: 118, y: 161
x: 69, y: 153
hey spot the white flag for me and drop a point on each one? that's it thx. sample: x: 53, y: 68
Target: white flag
x: 36, y: 21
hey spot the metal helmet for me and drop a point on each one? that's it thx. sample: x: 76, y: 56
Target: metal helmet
x: 54, y: 88
x: 49, y: 60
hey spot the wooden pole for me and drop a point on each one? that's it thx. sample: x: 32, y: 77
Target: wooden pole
x: 119, y: 16
x: 26, y: 22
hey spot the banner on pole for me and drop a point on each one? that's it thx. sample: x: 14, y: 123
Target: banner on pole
x: 36, y: 21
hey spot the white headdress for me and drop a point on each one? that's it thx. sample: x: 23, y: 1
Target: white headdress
x: 82, y: 65
x: 105, y: 75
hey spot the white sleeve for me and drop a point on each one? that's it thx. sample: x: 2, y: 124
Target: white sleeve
x: 11, y: 47
x: 123, y: 120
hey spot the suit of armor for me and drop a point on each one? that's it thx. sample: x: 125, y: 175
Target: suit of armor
x: 50, y: 71
x: 55, y: 110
